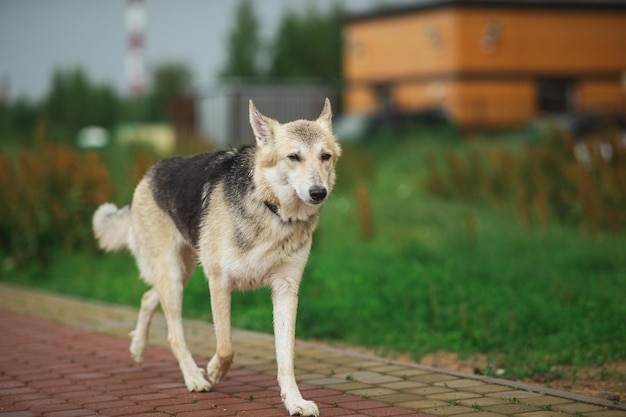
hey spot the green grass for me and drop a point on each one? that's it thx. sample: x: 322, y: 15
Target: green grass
x: 438, y: 274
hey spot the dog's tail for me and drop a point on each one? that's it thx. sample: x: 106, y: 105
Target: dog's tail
x: 111, y: 226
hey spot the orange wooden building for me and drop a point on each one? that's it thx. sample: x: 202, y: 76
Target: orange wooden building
x: 488, y: 63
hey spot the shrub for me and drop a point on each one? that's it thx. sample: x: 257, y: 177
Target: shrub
x: 49, y: 195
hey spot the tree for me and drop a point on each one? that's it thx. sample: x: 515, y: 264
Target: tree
x: 74, y: 101
x: 18, y: 118
x: 244, y: 44
x: 308, y: 45
x: 170, y: 80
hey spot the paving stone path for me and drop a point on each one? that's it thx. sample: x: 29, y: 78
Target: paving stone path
x: 60, y: 356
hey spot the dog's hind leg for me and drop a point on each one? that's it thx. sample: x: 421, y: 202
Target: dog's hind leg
x: 170, y: 284
x: 149, y: 303
x: 166, y: 262
x: 220, y: 308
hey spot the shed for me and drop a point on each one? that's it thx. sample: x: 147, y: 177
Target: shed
x: 224, y: 109
x: 488, y: 62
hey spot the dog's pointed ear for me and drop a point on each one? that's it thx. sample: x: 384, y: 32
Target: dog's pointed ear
x: 262, y: 126
x: 326, y: 117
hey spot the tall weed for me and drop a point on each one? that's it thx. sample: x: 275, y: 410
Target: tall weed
x: 543, y: 183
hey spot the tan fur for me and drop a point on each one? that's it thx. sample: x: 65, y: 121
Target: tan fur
x: 276, y: 256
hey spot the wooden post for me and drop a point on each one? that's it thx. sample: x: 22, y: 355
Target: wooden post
x: 366, y: 224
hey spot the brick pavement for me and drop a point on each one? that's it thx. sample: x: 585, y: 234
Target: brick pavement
x: 61, y: 356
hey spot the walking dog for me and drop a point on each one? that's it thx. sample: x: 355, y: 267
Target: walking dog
x: 248, y: 217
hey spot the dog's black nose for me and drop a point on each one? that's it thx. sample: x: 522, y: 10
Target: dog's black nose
x: 317, y: 193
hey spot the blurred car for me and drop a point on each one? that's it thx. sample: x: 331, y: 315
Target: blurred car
x: 589, y: 132
x: 579, y: 126
x: 93, y: 137
x: 360, y: 126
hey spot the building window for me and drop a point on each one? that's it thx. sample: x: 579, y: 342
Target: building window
x: 555, y: 95
x: 384, y: 97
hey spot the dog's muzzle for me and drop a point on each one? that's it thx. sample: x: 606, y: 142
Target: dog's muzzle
x: 317, y: 193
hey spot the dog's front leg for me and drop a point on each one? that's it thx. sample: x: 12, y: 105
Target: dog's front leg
x: 285, y: 302
x: 220, y: 308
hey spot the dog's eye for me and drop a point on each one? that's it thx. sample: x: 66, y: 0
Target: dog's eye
x: 294, y: 157
x: 325, y: 156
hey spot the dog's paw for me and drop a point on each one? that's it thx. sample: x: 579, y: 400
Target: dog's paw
x: 218, y: 368
x: 302, y: 408
x: 196, y: 381
x: 137, y: 347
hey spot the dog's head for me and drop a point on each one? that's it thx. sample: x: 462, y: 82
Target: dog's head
x: 297, y: 158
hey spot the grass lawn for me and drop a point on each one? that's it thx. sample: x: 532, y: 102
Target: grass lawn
x: 437, y: 274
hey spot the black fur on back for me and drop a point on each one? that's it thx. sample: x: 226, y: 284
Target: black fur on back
x: 179, y: 185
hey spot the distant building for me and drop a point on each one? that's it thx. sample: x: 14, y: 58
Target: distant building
x: 489, y: 62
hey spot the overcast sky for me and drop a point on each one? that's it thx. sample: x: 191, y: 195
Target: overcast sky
x: 37, y: 36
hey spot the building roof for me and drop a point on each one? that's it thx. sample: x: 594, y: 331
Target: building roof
x: 424, y: 5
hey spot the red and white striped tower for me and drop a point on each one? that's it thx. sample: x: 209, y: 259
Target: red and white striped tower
x: 136, y: 76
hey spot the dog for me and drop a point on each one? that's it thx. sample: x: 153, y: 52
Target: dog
x: 248, y: 217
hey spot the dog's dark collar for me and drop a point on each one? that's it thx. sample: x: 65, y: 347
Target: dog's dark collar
x: 274, y: 209
x: 271, y: 207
